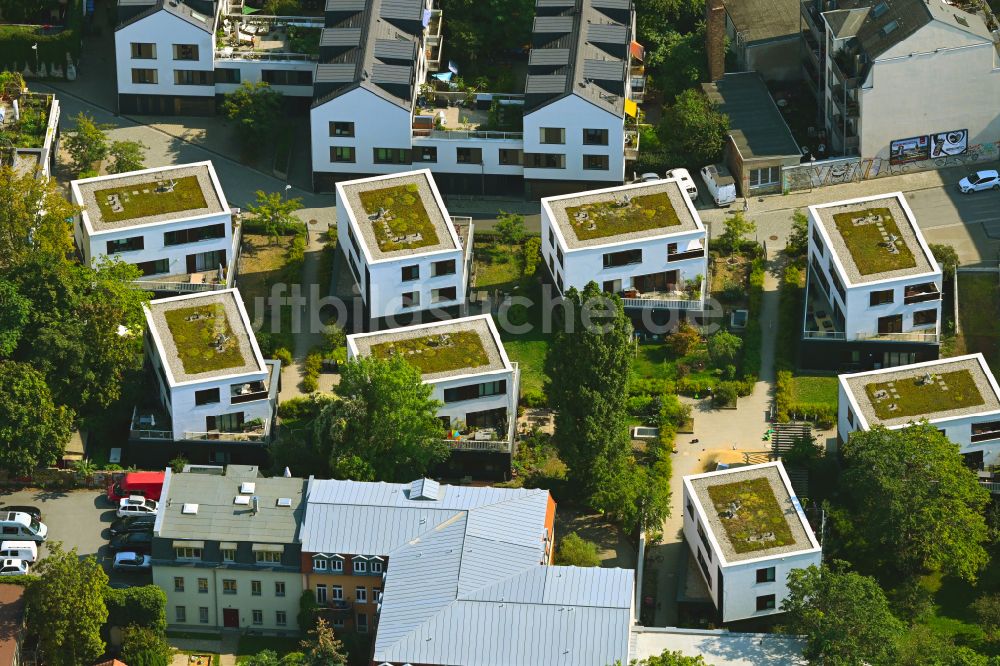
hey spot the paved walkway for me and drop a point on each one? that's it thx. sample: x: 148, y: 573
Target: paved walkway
x: 225, y: 648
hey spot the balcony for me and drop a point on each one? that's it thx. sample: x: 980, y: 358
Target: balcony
x: 847, y: 105
x: 637, y: 83
x: 812, y: 18
x: 247, y: 392
x: 844, y: 71
x: 150, y: 422
x: 921, y: 293
x: 339, y: 607
x: 448, y: 116
x: 433, y: 40
x: 258, y: 434
x: 631, y: 145
x: 696, y: 253
x: 913, y: 336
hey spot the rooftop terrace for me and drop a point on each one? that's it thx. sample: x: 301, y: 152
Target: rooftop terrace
x: 622, y: 213
x: 269, y: 38
x: 26, y: 128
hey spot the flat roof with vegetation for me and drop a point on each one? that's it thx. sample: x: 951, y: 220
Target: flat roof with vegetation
x: 439, y: 351
x: 399, y: 215
x: 875, y: 239
x: 622, y: 213
x: 30, y: 130
x: 143, y: 197
x: 949, y: 388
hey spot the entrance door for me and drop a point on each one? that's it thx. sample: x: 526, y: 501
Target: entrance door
x: 890, y: 324
x: 231, y: 618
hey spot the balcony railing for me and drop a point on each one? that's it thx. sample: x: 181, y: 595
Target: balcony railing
x: 843, y: 77
x: 665, y: 304
x: 465, y: 135
x: 911, y: 336
x: 478, y: 445
x: 698, y: 253
x: 631, y: 144
x: 984, y: 436
x: 923, y: 297
x: 179, y: 287
x: 824, y: 335
x: 263, y: 56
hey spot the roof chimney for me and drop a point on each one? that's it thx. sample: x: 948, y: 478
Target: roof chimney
x: 256, y: 504
x: 715, y: 38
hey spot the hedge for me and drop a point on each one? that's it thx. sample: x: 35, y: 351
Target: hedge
x: 789, y: 319
x: 750, y: 367
x: 16, y: 41
x: 820, y: 413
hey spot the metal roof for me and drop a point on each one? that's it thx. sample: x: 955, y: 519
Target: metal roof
x: 340, y: 37
x: 395, y: 49
x: 756, y: 125
x: 548, y: 57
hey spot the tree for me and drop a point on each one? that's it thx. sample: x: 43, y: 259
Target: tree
x: 737, y: 228
x: 145, y: 647
x: 574, y: 551
x: 67, y: 601
x: 693, y: 130
x: 275, y: 212
x: 486, y: 27
x: 384, y: 426
x: 86, y: 143
x: 924, y: 646
x: 509, y: 228
x: 676, y: 60
x: 797, y: 245
x: 914, y: 503
x: 15, y: 310
x: 262, y: 658
x: 33, y: 430
x: 34, y: 219
x: 845, y: 616
x: 987, y: 611
x: 255, y: 109
x: 946, y: 257
x: 128, y: 156
x: 323, y: 648
x: 308, y: 609
x: 684, y: 339
x: 723, y: 348
x: 143, y: 606
x: 672, y: 658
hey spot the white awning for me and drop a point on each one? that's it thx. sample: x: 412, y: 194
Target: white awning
x: 189, y: 544
x: 227, y: 545
x: 268, y: 548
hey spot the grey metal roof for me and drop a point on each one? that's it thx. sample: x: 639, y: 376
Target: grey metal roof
x: 335, y: 72
x: 548, y: 57
x: 552, y: 24
x: 340, y: 37
x: 605, y: 70
x: 756, y: 125
x: 545, y: 83
x: 395, y: 49
x: 345, y: 5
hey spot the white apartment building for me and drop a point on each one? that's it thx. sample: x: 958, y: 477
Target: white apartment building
x: 174, y: 223
x: 874, y: 287
x: 962, y: 391
x: 406, y: 253
x: 465, y: 363
x: 877, y: 57
x: 644, y: 242
x: 209, y: 381
x: 744, y: 551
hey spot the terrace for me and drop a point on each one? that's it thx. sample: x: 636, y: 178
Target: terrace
x: 204, y: 338
x: 269, y: 38
x: 454, y: 116
x: 439, y: 352
x: 924, y: 394
x: 24, y: 124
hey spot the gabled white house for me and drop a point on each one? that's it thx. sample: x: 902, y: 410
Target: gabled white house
x: 174, y: 223
x: 644, y: 242
x: 465, y: 363
x: 210, y: 382
x: 747, y: 531
x: 959, y: 396
x: 406, y: 253
x: 874, y: 288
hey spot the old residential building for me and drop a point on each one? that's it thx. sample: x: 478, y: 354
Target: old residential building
x: 226, y: 549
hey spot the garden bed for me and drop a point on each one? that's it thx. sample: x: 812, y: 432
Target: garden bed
x: 979, y: 317
x: 729, y: 280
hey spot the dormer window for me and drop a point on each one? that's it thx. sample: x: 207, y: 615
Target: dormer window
x: 360, y: 566
x: 337, y: 564
x: 376, y: 566
x: 879, y: 10
x: 319, y: 565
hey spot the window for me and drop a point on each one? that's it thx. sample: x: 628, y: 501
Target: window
x: 338, y: 623
x: 341, y: 128
x: 321, y: 594
x: 255, y: 588
x: 287, y: 77
x: 280, y: 618
x: 924, y: 317
x: 337, y: 592
x: 202, y: 586
x: 879, y: 10
x: 203, y: 614
x: 552, y: 238
x: 187, y: 553
x: 362, y: 623
x: 193, y: 77
x: 889, y: 27
x: 228, y: 586
x: 410, y: 273
x: 206, y: 396
x: 765, y: 575
x: 279, y: 589
x: 228, y: 554
x: 765, y: 177
x: 559, y: 282
x: 354, y: 268
x: 511, y: 157
x: 704, y: 539
x: 391, y: 155
x: 765, y: 602
x: 354, y: 241
x: 376, y: 565
x: 544, y: 161
x: 838, y: 285
x: 227, y: 75
x: 342, y: 154
x: 267, y: 556
x: 559, y: 256
x: 425, y: 154
x: 446, y: 267
x: 551, y: 135
x: 411, y: 299
x: 377, y: 596
x: 178, y: 584
x: 360, y: 566
x: 470, y: 392
x: 469, y: 155
x: 623, y: 258
x: 361, y: 594
x: 595, y: 137
x: 880, y: 297
x: 125, y: 244
x: 154, y: 267
x: 444, y: 294
x: 144, y: 76
x: 180, y: 614
x: 595, y: 162
x: 850, y: 417
x: 257, y: 616
x: 336, y: 565
x: 143, y: 51
x: 818, y: 240
x: 185, y: 51
x: 194, y: 235
x: 690, y: 508
x: 704, y: 567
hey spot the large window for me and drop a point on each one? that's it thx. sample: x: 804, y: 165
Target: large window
x: 203, y: 614
x: 185, y: 51
x: 410, y: 273
x: 925, y: 317
x: 321, y: 594
x: 361, y: 594
x: 178, y: 584
x: 257, y: 617
x: 765, y: 177
x: 704, y: 539
x: 280, y: 618
x: 595, y: 137
x: 511, y: 157
x: 180, y: 614
x: 125, y: 244
x: 425, y: 154
x: 206, y: 396
x: 194, y: 235
x: 411, y: 299
x: 144, y: 76
x: 227, y: 75
x: 267, y: 557
x: 765, y: 575
x: 341, y: 128
x: 443, y: 294
x: 473, y: 391
x: 624, y: 258
x: 765, y: 602
x: 595, y: 162
x: 229, y: 586
x: 255, y: 588
x: 391, y: 155
x: 186, y: 553
x: 544, y: 161
x: 446, y: 267
x: 202, y: 586
x: 287, y: 77
x: 342, y: 154
x: 880, y: 297
x: 143, y: 51
x: 469, y: 155
x: 551, y: 135
x: 194, y: 77
x: 279, y: 589
x: 818, y: 239
x: 362, y: 625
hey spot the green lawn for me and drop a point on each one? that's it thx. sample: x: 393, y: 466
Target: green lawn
x: 529, y: 354
x: 142, y: 199
x: 979, y: 316
x: 814, y: 390
x: 250, y: 645
x: 196, y: 339
x: 759, y: 512
x: 440, y: 352
x: 864, y: 242
x: 407, y: 215
x: 917, y: 398
x: 609, y: 218
x: 951, y: 616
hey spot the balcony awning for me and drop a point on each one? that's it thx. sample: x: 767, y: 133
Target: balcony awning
x: 189, y: 544
x: 227, y: 545
x: 637, y: 50
x: 631, y: 108
x: 268, y: 548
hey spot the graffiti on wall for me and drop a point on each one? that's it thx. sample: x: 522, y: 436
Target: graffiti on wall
x: 855, y: 169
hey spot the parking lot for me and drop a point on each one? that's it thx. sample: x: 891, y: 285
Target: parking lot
x: 79, y: 519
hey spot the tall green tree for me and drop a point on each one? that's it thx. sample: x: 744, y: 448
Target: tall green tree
x: 797, y: 245
x: 254, y: 108
x: 66, y: 603
x: 15, y: 310
x: 275, y: 212
x: 86, y: 143
x: 127, y: 156
x: 723, y: 348
x: 478, y: 27
x: 693, y: 130
x: 510, y: 228
x: 140, y: 605
x: 145, y: 647
x: 675, y: 60
x: 946, y: 257
x: 844, y: 615
x: 737, y: 229
x: 35, y: 219
x: 384, y: 425
x: 914, y: 503
x: 33, y: 430
x: 322, y: 648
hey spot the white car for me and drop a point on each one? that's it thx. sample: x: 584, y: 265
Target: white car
x: 981, y: 180
x: 686, y: 182
x: 132, y: 562
x: 12, y: 567
x: 136, y: 505
x: 648, y: 177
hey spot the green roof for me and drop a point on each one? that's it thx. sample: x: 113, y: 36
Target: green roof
x: 405, y: 223
x: 749, y: 510
x: 29, y: 131
x: 144, y: 199
x: 916, y: 396
x: 865, y: 233
x: 438, y: 352
x: 204, y: 338
x: 600, y: 219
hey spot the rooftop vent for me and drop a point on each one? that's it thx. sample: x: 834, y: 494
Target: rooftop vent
x: 242, y: 499
x: 424, y: 489
x: 189, y: 508
x: 247, y: 487
x: 284, y: 501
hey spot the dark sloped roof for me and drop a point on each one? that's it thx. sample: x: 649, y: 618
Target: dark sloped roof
x: 761, y: 20
x: 178, y: 9
x: 755, y: 123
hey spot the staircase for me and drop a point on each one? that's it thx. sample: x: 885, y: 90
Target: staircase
x: 786, y: 434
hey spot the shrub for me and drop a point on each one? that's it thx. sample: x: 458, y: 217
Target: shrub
x: 307, y: 611
x: 574, y: 551
x: 725, y: 393
x: 532, y: 255
x: 684, y: 339
x: 534, y: 398
x: 282, y: 355
x: 638, y: 404
x: 310, y: 384
x: 144, y: 647
x: 143, y: 606
x: 178, y: 464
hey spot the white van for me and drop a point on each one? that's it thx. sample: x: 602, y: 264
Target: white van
x: 19, y: 550
x: 720, y: 184
x: 15, y: 525
x: 686, y: 182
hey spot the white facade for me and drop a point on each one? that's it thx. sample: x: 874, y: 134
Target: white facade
x: 865, y: 305
x: 975, y: 433
x: 734, y: 585
x: 163, y: 30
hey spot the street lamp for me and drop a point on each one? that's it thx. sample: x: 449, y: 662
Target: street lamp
x: 34, y: 47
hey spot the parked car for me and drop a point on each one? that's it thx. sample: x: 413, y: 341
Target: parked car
x: 720, y: 184
x: 979, y: 181
x: 133, y: 524
x: 686, y: 182
x: 648, y: 177
x: 131, y: 561
x: 137, y: 505
x: 13, y: 567
x: 19, y: 526
x: 140, y: 542
x: 19, y: 550
x: 32, y: 511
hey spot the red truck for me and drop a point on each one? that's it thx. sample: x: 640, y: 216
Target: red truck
x: 147, y: 484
